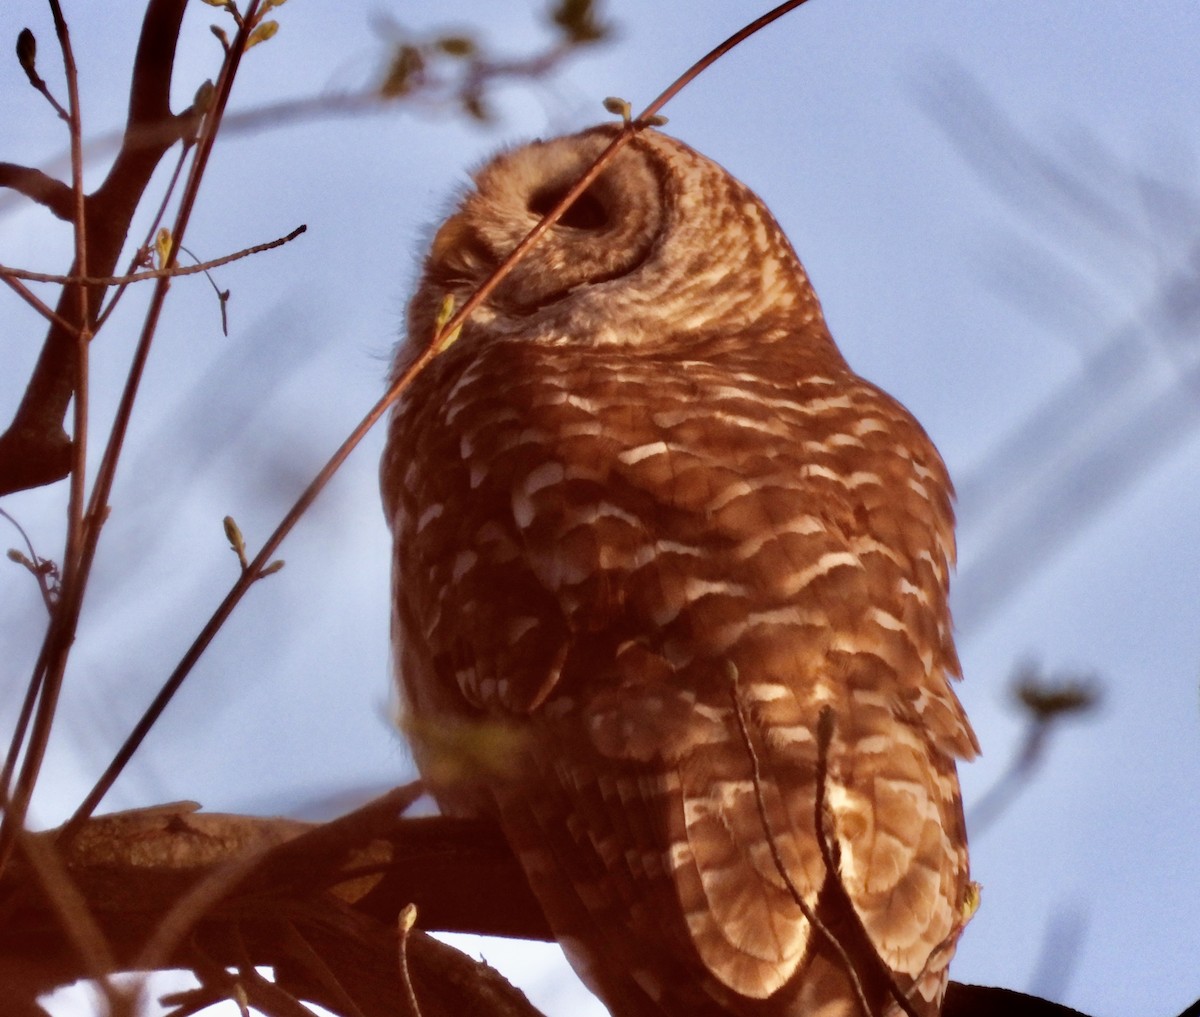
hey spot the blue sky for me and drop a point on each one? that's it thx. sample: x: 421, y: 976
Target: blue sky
x: 996, y: 203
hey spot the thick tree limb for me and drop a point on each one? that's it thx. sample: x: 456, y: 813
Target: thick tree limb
x: 318, y: 903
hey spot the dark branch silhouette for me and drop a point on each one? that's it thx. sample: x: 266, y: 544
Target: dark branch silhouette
x: 36, y: 449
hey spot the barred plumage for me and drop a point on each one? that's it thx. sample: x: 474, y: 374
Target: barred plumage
x: 641, y: 502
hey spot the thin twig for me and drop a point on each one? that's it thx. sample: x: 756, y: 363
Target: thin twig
x: 35, y: 302
x: 184, y: 151
x: 45, y: 683
x: 27, y: 57
x: 261, y: 994
x: 174, y: 272
x: 74, y: 915
x: 84, y: 334
x: 302, y: 952
x: 809, y: 913
x: 38, y: 562
x: 404, y: 925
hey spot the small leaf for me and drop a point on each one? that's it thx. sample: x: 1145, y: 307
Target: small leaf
x: 406, y: 64
x: 19, y: 558
x: 445, y: 313
x: 474, y: 106
x: 162, y: 246
x: 457, y: 45
x: 971, y: 901
x: 219, y: 32
x: 216, y: 3
x: 269, y: 4
x: 270, y: 570
x: 654, y: 120
x: 204, y: 97
x: 1048, y: 698
x: 577, y: 19
x: 407, y: 919
x: 619, y: 107
x: 262, y: 33
x: 27, y: 52
x: 232, y: 533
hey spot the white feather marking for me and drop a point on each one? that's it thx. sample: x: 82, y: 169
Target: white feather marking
x: 802, y: 526
x: 679, y: 855
x: 921, y: 470
x: 765, y: 692
x: 738, y: 489
x: 696, y: 588
x: 543, y: 476
x: 727, y: 792
x: 885, y: 620
x: 790, y: 734
x: 873, y: 743
x: 868, y: 425
x: 455, y: 406
x: 675, y: 547
x: 429, y: 515
x: 861, y: 478
x: 920, y: 488
x: 715, y: 714
x: 464, y: 561
x: 869, y: 545
x: 825, y: 564
x: 696, y: 810
x: 789, y: 615
x: 908, y: 589
x: 636, y: 455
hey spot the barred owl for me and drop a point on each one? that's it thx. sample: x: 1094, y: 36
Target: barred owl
x: 650, y: 529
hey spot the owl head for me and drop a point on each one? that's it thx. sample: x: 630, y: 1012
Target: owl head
x: 663, y: 249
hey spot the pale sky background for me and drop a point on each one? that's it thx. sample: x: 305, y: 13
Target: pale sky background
x: 998, y: 290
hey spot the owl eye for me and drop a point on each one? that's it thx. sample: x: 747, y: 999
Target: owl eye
x: 586, y: 212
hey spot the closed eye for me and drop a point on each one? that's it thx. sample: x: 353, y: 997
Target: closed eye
x: 586, y: 212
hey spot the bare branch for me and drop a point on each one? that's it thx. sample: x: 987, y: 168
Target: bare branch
x: 32, y: 299
x: 39, y: 187
x: 35, y: 449
x: 174, y: 272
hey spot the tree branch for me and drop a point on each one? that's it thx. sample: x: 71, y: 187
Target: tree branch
x: 39, y: 187
x: 302, y: 891
x: 174, y: 272
x: 36, y: 450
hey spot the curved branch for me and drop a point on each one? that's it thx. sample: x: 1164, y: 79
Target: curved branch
x: 38, y: 186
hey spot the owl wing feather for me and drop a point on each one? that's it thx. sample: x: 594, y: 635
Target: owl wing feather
x: 602, y: 579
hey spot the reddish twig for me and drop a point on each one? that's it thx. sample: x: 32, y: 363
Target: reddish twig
x: 174, y: 272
